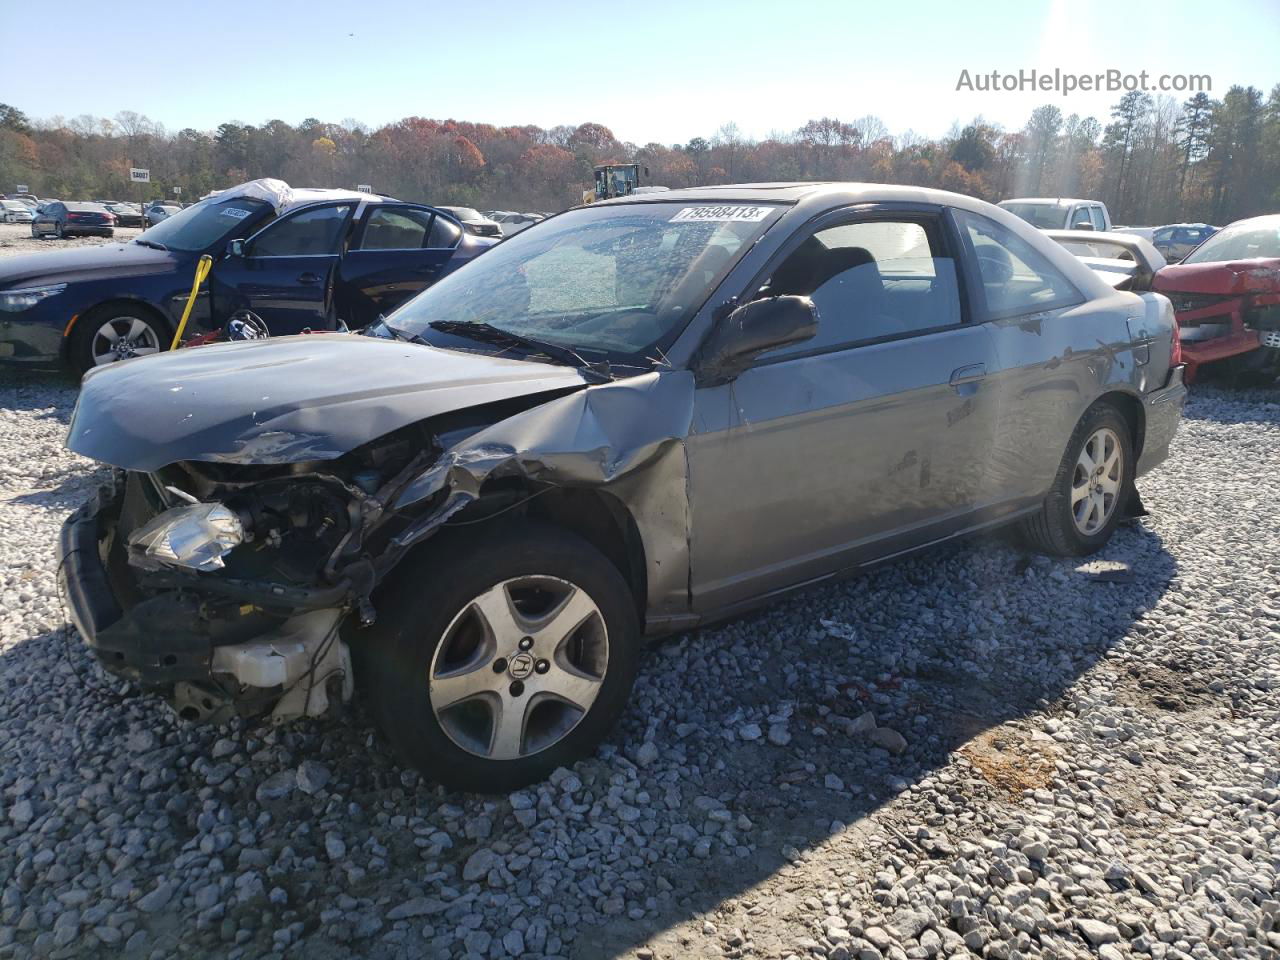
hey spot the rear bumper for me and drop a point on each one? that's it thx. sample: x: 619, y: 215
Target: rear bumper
x: 1163, y: 413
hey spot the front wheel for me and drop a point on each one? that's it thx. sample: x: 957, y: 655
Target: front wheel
x: 1090, y: 489
x: 499, y: 658
x: 110, y: 334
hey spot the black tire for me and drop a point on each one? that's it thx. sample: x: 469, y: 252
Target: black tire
x: 423, y: 599
x: 1053, y: 529
x: 80, y: 350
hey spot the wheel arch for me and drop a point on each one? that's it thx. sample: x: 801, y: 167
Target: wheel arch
x: 604, y: 521
x: 596, y: 516
x: 1129, y: 407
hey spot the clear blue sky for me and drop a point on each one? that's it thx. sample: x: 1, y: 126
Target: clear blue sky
x: 649, y: 69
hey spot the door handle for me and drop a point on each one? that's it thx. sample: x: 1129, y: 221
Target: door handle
x: 309, y: 278
x: 970, y: 374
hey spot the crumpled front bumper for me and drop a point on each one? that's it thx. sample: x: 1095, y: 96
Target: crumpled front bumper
x: 260, y: 635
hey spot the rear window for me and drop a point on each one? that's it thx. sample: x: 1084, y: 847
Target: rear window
x: 1046, y: 216
x: 85, y: 207
x: 463, y: 213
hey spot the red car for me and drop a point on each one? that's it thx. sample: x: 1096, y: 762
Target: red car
x: 1226, y: 294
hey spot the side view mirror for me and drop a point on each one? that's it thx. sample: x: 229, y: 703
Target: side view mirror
x: 1083, y: 225
x: 749, y: 331
x: 235, y: 248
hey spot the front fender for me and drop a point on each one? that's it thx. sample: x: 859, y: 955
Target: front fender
x: 627, y: 436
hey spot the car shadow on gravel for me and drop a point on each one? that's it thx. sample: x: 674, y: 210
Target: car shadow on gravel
x: 945, y: 688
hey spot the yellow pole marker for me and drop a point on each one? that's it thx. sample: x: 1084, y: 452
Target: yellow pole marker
x: 202, y: 271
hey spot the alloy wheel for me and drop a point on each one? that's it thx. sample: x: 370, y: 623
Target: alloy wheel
x: 121, y: 338
x: 519, y: 667
x: 1095, y: 484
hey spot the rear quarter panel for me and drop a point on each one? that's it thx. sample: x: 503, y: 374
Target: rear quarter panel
x: 1054, y: 366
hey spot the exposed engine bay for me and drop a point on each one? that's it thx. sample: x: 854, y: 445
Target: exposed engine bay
x: 259, y: 564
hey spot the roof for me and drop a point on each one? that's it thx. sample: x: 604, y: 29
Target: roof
x: 785, y: 192
x: 284, y: 197
x: 815, y: 196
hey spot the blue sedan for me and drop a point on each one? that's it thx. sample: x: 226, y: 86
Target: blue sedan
x: 316, y: 265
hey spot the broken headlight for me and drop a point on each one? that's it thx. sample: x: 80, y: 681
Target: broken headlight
x: 195, y: 537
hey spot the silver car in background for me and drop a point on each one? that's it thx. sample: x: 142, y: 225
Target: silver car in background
x: 15, y: 211
x: 644, y: 415
x: 473, y: 221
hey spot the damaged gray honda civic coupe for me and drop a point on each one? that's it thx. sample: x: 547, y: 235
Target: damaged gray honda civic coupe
x: 631, y: 419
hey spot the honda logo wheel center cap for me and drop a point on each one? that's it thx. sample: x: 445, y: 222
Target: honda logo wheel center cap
x: 520, y: 666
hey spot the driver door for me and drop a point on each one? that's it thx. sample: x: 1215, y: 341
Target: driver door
x: 867, y: 439
x: 287, y: 272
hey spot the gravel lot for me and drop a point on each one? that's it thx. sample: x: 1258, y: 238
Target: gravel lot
x: 974, y: 751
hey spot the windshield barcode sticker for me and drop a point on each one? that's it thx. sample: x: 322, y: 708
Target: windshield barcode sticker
x: 732, y: 214
x: 235, y: 212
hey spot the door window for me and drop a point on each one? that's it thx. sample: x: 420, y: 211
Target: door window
x: 396, y: 228
x: 1016, y: 278
x: 311, y: 233
x: 1095, y: 213
x: 871, y: 279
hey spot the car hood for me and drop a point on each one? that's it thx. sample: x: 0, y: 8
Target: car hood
x: 1224, y: 277
x: 85, y: 263
x: 287, y: 400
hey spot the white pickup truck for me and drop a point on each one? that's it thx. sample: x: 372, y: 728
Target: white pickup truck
x: 1060, y: 213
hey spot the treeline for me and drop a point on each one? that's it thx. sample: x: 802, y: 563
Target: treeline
x: 1152, y: 161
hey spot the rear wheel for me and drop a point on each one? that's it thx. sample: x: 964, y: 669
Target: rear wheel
x: 497, y: 659
x: 1090, y: 489
x: 113, y: 333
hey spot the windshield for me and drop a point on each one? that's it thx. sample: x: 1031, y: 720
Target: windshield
x: 616, y: 279
x: 1044, y: 215
x: 1246, y: 241
x: 207, y: 224
x: 463, y: 213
